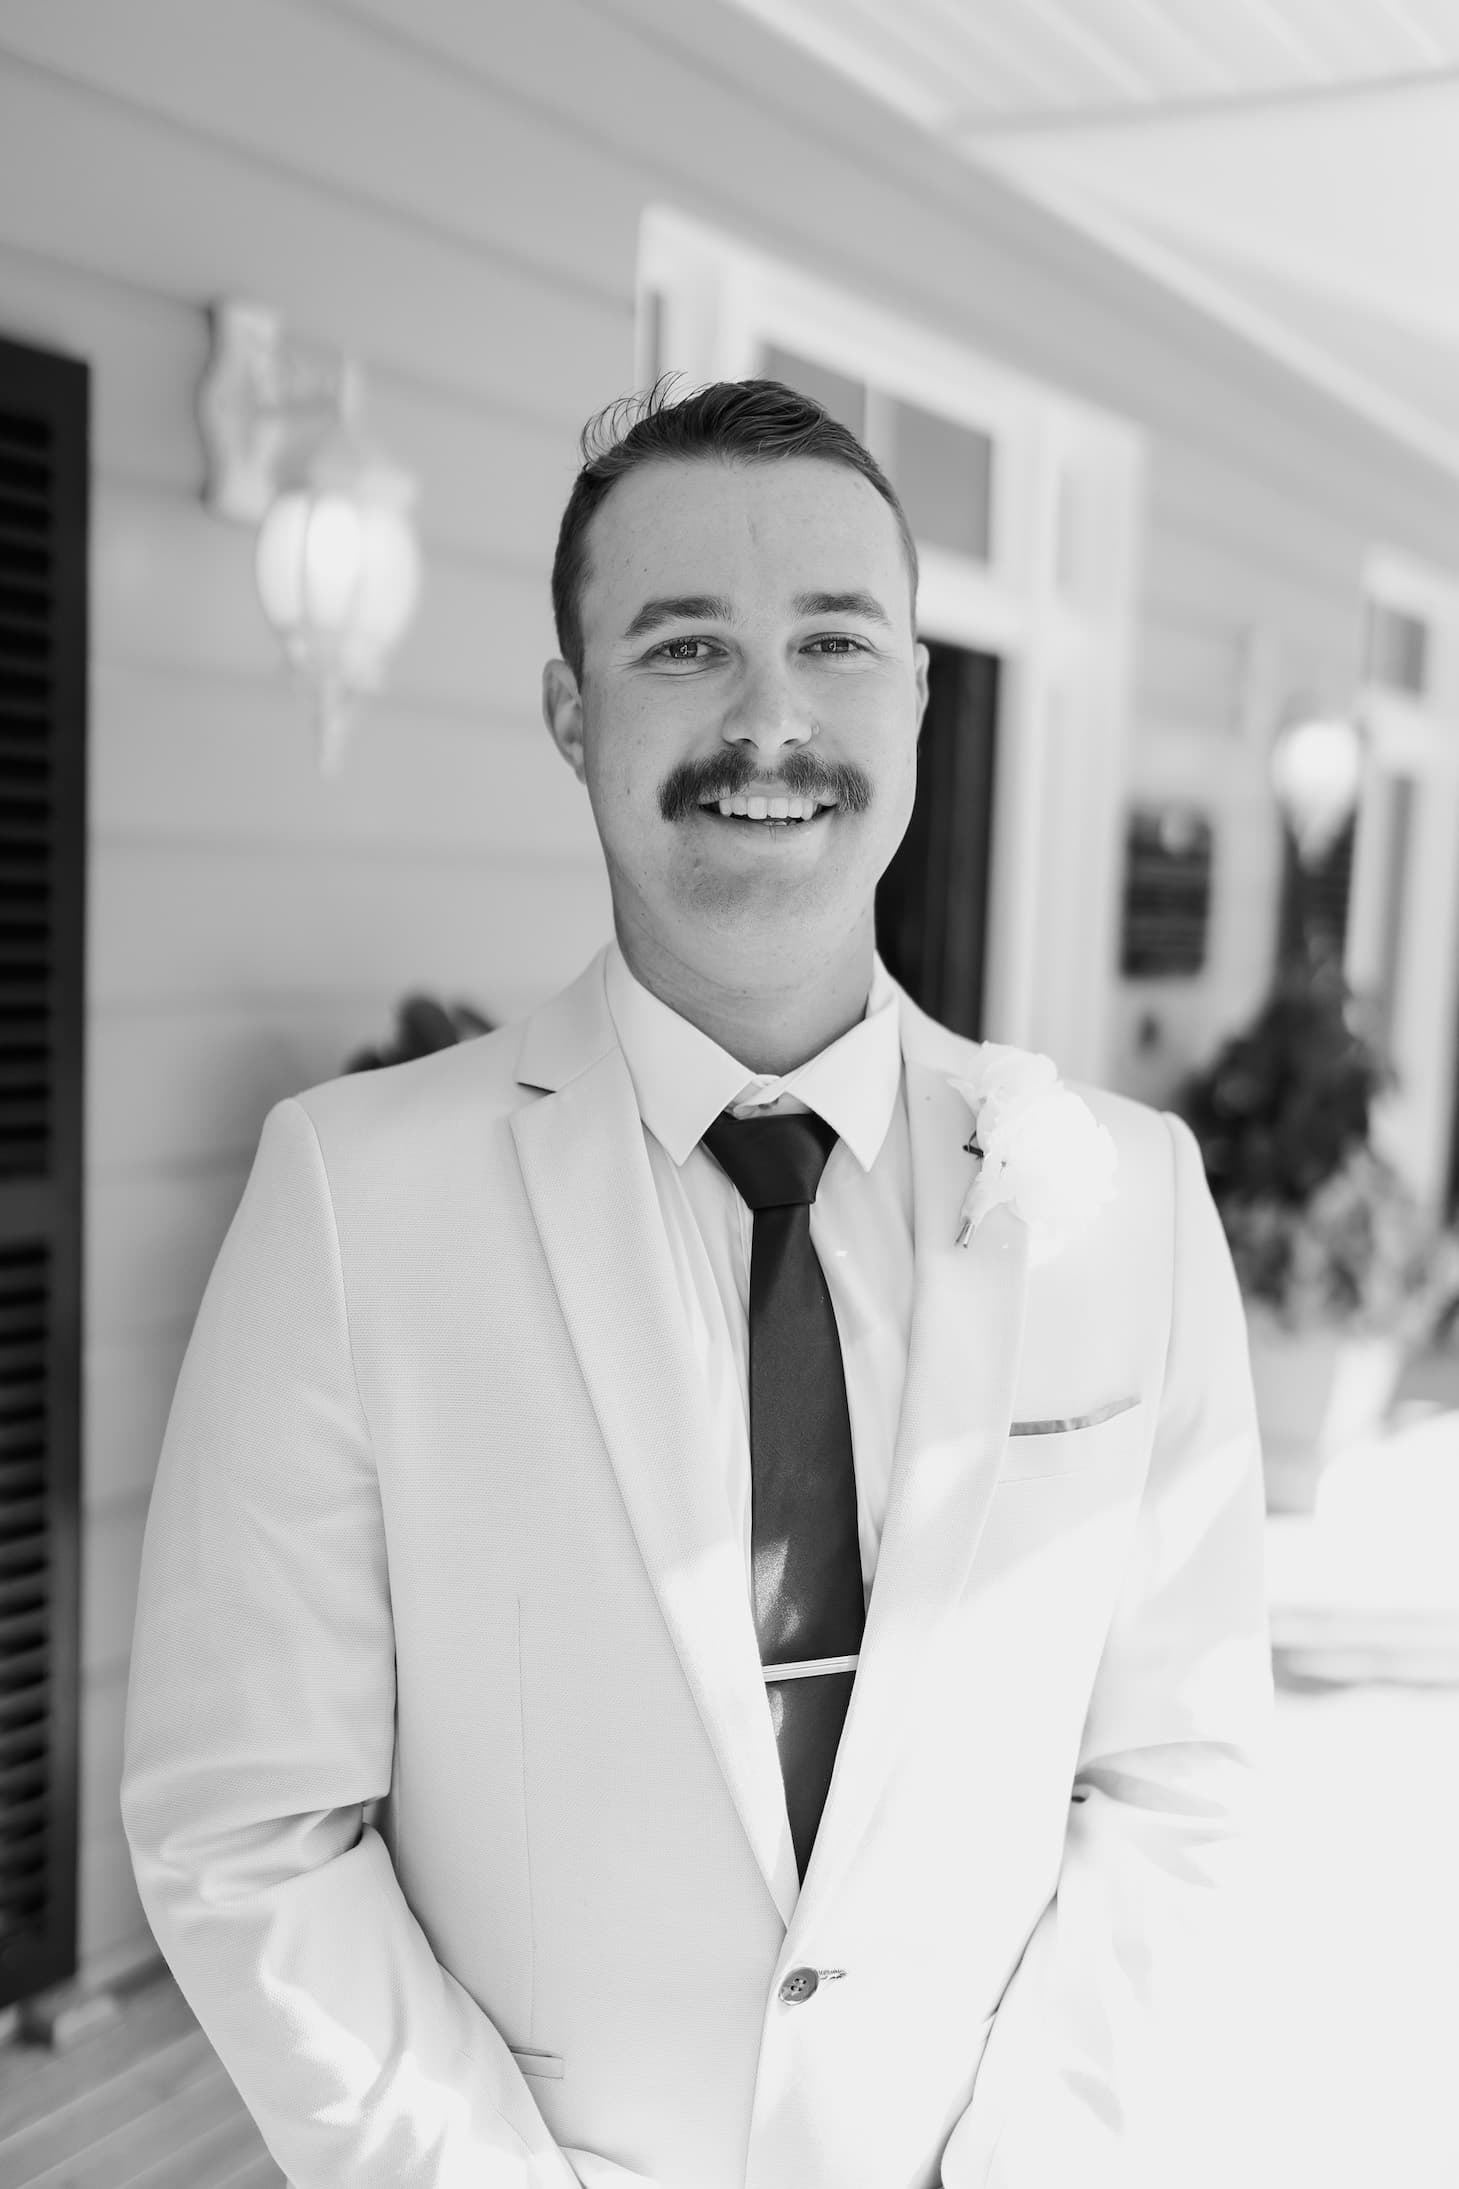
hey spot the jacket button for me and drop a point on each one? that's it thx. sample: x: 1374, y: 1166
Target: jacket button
x: 798, y: 1985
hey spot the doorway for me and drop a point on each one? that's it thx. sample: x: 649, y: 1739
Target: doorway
x: 932, y: 902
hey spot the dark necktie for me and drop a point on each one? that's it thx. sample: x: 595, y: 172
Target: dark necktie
x: 805, y: 1552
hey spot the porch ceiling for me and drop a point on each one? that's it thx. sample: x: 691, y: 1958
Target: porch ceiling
x: 1290, y: 165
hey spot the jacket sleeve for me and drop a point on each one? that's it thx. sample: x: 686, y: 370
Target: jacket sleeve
x: 1099, y: 2021
x: 260, y: 1723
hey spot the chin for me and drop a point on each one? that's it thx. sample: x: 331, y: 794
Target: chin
x: 765, y: 903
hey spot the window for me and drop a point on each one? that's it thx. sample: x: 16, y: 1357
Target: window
x: 1397, y: 649
x: 843, y: 397
x: 942, y: 470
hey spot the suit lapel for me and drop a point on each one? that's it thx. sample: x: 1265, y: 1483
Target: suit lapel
x: 592, y: 1196
x: 966, y: 1335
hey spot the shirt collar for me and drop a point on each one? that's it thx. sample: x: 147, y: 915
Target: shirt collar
x: 683, y: 1079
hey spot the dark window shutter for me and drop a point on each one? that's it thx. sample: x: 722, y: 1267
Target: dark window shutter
x: 43, y: 524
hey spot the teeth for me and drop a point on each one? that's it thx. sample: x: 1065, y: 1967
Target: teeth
x: 761, y: 808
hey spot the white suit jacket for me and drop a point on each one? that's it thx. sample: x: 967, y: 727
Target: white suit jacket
x: 449, y: 1777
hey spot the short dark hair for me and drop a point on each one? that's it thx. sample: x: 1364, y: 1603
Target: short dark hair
x: 737, y: 421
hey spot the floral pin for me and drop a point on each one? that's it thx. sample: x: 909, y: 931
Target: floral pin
x: 1043, y: 1154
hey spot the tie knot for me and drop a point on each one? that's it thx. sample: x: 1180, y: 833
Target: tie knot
x: 775, y: 1162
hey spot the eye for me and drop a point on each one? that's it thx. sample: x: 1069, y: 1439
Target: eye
x: 837, y: 645
x: 679, y: 651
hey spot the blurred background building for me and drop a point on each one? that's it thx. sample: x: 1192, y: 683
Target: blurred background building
x: 1152, y: 313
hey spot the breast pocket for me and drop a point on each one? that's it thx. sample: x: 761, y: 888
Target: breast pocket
x: 548, y: 2064
x: 1040, y: 1446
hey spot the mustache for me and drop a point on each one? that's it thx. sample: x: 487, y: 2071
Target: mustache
x: 724, y: 775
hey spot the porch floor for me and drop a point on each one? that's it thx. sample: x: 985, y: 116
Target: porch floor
x: 144, y: 2103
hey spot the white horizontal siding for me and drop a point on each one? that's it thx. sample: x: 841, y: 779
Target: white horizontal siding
x: 360, y: 118
x: 216, y: 923
x: 180, y: 754
x: 184, y: 1088
x: 111, y: 1556
x: 128, y: 1382
x: 165, y: 209
x: 453, y: 191
x: 150, y: 1243
x: 110, y: 1912
x: 492, y: 476
x: 173, y: 586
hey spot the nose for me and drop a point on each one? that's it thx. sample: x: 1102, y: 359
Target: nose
x: 768, y: 713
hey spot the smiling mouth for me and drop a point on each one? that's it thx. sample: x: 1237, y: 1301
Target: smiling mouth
x: 773, y: 814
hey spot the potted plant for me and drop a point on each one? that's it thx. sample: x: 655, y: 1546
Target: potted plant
x: 422, y: 1025
x: 1343, y: 1273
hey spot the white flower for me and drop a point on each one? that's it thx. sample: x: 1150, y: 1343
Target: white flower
x: 1042, y: 1151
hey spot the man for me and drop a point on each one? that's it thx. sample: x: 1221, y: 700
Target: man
x: 807, y: 1648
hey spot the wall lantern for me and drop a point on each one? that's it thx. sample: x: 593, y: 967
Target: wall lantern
x: 337, y: 562
x: 1316, y: 773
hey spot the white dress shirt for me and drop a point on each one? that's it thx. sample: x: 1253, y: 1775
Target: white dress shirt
x: 861, y: 1220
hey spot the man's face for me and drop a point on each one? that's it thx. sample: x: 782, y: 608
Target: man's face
x: 747, y: 636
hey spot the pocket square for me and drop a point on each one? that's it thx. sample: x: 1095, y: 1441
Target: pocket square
x: 1059, y: 1426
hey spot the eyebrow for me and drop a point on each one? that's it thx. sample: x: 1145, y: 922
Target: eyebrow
x: 680, y: 608
x: 864, y: 605
x: 714, y: 608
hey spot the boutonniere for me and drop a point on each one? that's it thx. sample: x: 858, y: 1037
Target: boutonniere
x: 1042, y: 1152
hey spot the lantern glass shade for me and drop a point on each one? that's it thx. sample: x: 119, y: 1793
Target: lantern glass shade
x: 309, y: 562
x: 388, y: 583
x: 1317, y: 769
x: 339, y: 578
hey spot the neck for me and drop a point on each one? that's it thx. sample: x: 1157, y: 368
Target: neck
x: 770, y: 1017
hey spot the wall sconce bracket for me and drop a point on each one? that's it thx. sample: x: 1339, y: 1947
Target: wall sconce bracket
x: 267, y: 396
x: 337, y: 558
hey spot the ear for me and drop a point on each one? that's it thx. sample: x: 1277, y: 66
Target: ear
x: 922, y: 661
x: 562, y: 711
